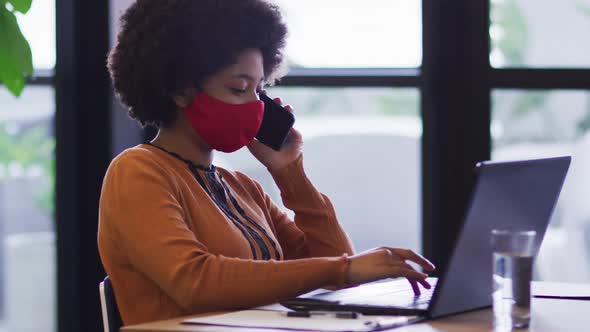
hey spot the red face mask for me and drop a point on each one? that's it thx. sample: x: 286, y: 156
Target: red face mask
x: 225, y: 127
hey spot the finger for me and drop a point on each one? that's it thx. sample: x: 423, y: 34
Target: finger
x: 294, y: 137
x: 289, y: 108
x: 278, y: 100
x: 414, y: 257
x: 295, y: 134
x: 263, y: 92
x: 405, y: 265
x: 415, y: 287
x: 409, y: 273
x: 256, y: 144
x: 425, y: 284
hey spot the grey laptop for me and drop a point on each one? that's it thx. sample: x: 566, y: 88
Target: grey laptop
x: 518, y: 195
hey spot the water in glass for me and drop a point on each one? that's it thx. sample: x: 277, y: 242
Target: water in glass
x: 511, y: 289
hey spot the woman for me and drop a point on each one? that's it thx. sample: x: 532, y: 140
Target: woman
x: 178, y: 235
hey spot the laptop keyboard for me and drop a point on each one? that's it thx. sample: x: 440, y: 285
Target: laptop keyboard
x: 391, y: 293
x: 401, y: 299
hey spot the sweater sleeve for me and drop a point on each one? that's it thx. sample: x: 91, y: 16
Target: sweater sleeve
x: 146, y: 219
x: 315, y: 231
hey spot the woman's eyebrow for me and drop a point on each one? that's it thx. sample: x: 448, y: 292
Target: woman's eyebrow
x: 247, y: 77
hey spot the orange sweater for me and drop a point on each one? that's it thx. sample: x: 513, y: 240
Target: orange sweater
x: 175, y: 244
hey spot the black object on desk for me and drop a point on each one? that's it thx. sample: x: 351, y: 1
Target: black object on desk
x: 336, y: 314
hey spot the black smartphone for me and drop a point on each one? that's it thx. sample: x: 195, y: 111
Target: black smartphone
x: 276, y: 123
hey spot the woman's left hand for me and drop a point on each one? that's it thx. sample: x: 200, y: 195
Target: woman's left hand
x: 289, y: 152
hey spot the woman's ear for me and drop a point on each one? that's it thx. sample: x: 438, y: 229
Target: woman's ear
x: 184, y: 97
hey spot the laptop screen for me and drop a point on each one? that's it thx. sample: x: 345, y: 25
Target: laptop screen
x: 517, y: 195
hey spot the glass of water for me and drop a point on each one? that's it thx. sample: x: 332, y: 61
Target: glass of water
x: 513, y: 253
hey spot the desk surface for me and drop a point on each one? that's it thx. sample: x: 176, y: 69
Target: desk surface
x: 547, y: 315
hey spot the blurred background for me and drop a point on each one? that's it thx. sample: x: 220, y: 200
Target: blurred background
x: 374, y: 85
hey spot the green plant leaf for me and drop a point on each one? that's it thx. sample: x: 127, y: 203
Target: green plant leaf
x: 22, y: 6
x: 16, y: 60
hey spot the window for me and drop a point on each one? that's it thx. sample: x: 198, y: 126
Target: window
x: 357, y: 104
x: 541, y: 107
x: 533, y: 124
x: 539, y: 33
x: 347, y: 34
x: 27, y: 177
x: 38, y: 26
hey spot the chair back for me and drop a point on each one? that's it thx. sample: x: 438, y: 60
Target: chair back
x: 111, y: 318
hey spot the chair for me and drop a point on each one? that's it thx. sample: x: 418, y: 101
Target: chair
x: 110, y: 314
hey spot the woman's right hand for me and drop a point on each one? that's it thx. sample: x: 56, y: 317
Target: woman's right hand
x: 385, y: 262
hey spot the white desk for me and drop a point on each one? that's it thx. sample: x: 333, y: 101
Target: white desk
x: 548, y: 315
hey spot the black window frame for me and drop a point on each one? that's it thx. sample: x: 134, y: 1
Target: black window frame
x: 83, y: 153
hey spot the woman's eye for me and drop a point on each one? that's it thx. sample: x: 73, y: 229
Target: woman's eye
x: 238, y: 91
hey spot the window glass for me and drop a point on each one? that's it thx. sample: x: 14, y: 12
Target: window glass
x: 353, y: 34
x: 38, y: 26
x: 539, y: 33
x: 362, y: 149
x: 530, y: 124
x: 27, y: 177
